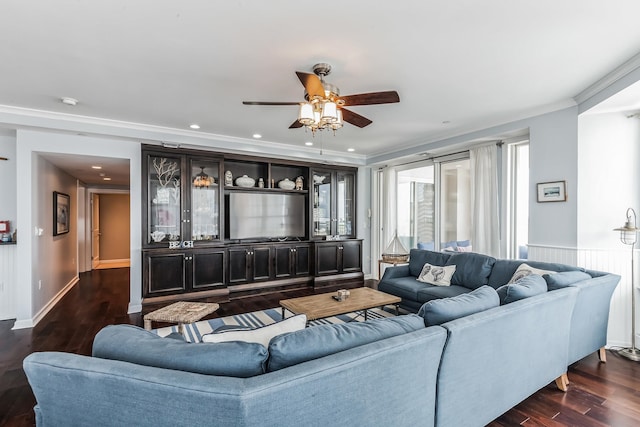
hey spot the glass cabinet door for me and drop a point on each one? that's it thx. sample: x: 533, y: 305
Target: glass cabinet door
x: 164, y: 199
x: 322, y: 203
x: 345, y: 203
x: 205, y: 200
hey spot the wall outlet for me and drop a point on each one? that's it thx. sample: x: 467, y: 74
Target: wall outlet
x: 39, y: 284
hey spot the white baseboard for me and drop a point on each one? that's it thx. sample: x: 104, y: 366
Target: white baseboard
x: 134, y: 308
x: 113, y: 261
x: 30, y: 323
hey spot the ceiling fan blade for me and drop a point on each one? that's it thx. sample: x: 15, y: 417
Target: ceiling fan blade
x: 311, y: 83
x: 372, y: 98
x: 355, y: 119
x: 269, y: 103
x: 295, y: 125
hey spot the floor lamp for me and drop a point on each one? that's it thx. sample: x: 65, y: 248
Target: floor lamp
x: 629, y: 236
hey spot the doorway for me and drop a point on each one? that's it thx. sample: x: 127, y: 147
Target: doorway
x: 110, y: 229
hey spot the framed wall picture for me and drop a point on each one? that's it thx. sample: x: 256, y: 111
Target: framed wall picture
x: 61, y: 213
x: 555, y: 191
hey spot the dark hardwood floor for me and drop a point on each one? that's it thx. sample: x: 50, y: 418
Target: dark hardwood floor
x: 599, y: 394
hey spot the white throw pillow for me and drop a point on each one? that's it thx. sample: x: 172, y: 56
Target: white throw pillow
x: 260, y: 335
x: 437, y: 275
x: 524, y: 270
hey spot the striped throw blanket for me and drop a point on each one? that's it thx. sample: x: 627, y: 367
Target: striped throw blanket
x: 194, y: 331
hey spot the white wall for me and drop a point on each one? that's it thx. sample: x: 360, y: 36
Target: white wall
x: 608, y: 156
x: 363, y: 220
x: 30, y: 268
x: 54, y: 258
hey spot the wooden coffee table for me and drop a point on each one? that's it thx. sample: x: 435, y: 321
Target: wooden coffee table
x: 180, y: 312
x: 323, y: 305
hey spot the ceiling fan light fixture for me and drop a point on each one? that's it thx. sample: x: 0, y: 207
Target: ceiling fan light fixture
x: 337, y: 124
x: 306, y: 115
x: 329, y: 112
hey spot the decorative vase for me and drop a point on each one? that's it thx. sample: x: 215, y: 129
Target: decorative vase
x: 286, y: 184
x: 228, y: 178
x: 245, y: 181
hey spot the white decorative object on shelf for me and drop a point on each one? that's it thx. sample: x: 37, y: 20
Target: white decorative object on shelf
x: 286, y: 184
x: 228, y: 178
x: 157, y: 236
x: 245, y: 181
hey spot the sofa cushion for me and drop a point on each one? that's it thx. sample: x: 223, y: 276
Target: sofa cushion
x: 439, y: 311
x: 472, y: 270
x: 429, y: 292
x: 525, y: 287
x: 504, y: 269
x: 564, y: 279
x: 260, y: 335
x: 418, y: 258
x: 135, y: 345
x: 404, y: 287
x: 525, y: 270
x: 319, y: 341
x: 436, y: 275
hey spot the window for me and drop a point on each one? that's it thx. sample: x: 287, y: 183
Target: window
x: 416, y: 206
x: 455, y: 205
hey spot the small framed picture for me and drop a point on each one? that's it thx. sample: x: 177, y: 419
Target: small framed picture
x: 61, y: 212
x: 555, y: 191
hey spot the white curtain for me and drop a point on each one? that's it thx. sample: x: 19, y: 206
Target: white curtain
x: 390, y: 205
x: 484, y: 200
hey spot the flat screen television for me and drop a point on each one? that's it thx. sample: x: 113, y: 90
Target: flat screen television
x: 265, y: 215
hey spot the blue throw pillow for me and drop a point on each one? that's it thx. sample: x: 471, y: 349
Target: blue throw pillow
x: 564, y: 279
x: 438, y: 311
x: 526, y: 287
x: 429, y: 246
x: 135, y: 345
x: 319, y: 341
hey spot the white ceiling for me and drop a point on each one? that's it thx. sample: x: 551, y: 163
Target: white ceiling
x: 458, y: 66
x: 85, y: 169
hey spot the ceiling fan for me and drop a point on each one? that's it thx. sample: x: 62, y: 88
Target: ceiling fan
x: 324, y: 108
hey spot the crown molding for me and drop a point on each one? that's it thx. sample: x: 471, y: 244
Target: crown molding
x: 609, y: 79
x: 25, y: 118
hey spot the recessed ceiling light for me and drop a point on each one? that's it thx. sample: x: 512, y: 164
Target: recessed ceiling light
x: 106, y: 178
x: 194, y: 126
x: 96, y: 167
x: 69, y: 101
x: 351, y: 150
x: 309, y: 143
x: 257, y: 136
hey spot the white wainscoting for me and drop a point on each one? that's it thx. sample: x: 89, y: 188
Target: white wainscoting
x: 617, y: 261
x: 7, y: 281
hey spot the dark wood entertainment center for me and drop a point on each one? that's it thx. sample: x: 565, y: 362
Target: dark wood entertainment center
x: 186, y: 245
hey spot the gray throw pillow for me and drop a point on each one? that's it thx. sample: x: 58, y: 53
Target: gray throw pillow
x: 438, y: 311
x: 525, y: 287
x: 135, y: 345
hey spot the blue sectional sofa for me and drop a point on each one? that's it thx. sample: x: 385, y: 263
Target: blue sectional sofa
x: 590, y: 317
x: 463, y: 361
